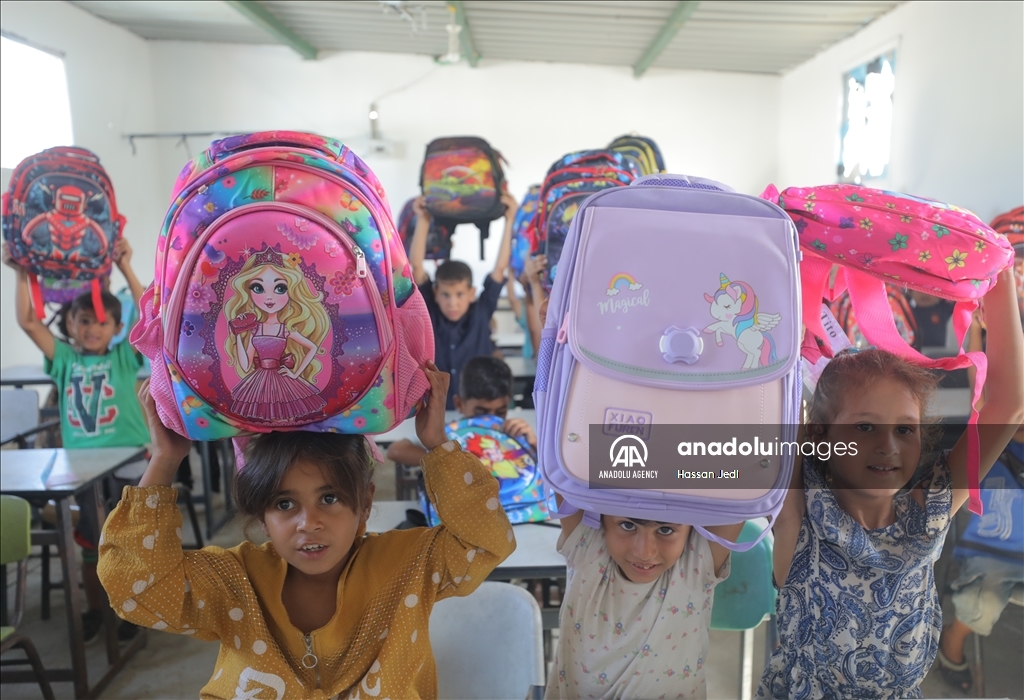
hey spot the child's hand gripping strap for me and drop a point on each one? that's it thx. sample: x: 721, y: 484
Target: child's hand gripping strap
x: 874, y: 316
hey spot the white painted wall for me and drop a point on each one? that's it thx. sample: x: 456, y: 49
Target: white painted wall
x: 719, y: 125
x: 958, y: 122
x: 110, y: 90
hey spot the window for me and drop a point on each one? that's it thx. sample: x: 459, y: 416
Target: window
x: 34, y: 109
x: 866, y: 133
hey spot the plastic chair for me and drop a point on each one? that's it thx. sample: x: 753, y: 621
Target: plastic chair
x: 746, y: 599
x: 466, y: 632
x: 19, y: 414
x: 15, y: 517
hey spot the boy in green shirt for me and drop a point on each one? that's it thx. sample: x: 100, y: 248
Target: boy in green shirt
x: 98, y: 403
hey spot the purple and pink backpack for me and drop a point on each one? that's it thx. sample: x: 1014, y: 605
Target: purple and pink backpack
x: 877, y: 237
x: 677, y: 302
x: 283, y: 298
x: 60, y: 221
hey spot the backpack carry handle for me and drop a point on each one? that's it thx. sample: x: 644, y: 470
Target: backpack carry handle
x: 219, y: 150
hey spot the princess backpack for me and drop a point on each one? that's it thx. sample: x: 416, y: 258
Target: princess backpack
x: 511, y: 461
x: 876, y: 237
x: 676, y: 302
x: 282, y: 298
x: 60, y: 221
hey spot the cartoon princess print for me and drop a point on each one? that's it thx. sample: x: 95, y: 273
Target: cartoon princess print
x: 276, y: 326
x: 736, y: 307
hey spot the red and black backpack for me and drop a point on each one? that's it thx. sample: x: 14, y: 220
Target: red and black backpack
x: 60, y: 221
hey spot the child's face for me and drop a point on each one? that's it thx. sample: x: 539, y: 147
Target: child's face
x: 480, y: 407
x: 310, y: 527
x: 89, y: 334
x: 644, y: 550
x: 269, y: 291
x: 454, y: 298
x: 884, y: 420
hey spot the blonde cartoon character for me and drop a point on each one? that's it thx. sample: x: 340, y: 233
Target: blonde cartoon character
x: 276, y: 326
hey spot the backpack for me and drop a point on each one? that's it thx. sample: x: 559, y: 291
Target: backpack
x: 439, y: 238
x: 876, y: 236
x: 902, y: 314
x: 522, y: 242
x: 677, y: 327
x: 570, y: 180
x: 644, y: 152
x: 463, y: 182
x: 282, y: 297
x: 512, y: 462
x: 60, y: 221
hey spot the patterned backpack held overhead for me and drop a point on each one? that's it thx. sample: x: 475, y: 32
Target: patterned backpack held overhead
x: 60, y: 221
x: 512, y: 462
x: 654, y: 323
x: 463, y: 182
x: 439, y: 238
x: 875, y: 236
x: 282, y: 298
x: 570, y: 180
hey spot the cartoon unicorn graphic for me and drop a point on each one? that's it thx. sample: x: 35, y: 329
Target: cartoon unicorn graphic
x: 736, y: 307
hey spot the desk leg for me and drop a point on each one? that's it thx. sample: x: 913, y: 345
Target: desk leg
x: 69, y: 568
x: 110, y: 618
x: 204, y: 453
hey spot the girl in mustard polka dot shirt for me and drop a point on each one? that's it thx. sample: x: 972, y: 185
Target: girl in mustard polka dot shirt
x: 323, y: 609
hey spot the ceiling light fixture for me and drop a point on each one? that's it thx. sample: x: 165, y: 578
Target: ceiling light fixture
x: 454, y: 54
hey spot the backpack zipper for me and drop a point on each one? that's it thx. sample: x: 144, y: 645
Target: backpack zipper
x: 309, y: 660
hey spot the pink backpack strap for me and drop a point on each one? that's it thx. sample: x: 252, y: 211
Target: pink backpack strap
x: 874, y: 316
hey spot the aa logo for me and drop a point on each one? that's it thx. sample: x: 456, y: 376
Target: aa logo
x: 628, y: 451
x: 90, y: 404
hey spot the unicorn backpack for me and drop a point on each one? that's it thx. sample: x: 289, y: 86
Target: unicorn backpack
x: 696, y: 322
x: 522, y: 243
x: 511, y: 461
x: 874, y: 237
x: 439, y: 238
x: 282, y: 298
x: 60, y: 221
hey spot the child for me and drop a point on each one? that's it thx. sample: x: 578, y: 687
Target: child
x: 462, y: 326
x: 536, y: 297
x: 637, y: 608
x: 858, y: 611
x: 96, y: 389
x: 322, y: 609
x: 485, y: 389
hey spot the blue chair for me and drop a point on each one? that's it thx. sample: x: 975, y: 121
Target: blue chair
x: 747, y: 598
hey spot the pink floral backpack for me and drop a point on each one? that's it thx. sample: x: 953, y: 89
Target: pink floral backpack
x: 283, y: 298
x: 876, y: 237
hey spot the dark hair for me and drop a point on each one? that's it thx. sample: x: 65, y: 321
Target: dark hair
x: 486, y: 378
x: 849, y: 369
x: 343, y: 459
x: 83, y: 302
x: 453, y: 271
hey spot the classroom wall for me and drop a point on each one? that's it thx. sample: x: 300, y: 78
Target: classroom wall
x: 110, y: 90
x: 719, y: 125
x: 958, y: 120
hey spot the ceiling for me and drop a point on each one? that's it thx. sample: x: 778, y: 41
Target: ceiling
x: 745, y: 36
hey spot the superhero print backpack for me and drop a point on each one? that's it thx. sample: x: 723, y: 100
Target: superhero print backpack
x: 282, y: 298
x: 60, y: 221
x: 512, y: 462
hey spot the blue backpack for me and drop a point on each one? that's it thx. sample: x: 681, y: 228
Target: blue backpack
x: 511, y: 461
x: 522, y: 241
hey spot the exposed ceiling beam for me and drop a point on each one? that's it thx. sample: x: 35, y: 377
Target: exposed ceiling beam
x: 465, y: 36
x: 258, y: 15
x: 672, y: 26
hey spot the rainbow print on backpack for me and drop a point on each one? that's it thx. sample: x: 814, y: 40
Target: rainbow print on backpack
x: 283, y: 298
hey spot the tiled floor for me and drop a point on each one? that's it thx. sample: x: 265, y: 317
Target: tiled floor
x: 173, y: 666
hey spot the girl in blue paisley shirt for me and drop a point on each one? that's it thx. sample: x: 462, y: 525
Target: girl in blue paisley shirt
x: 858, y: 536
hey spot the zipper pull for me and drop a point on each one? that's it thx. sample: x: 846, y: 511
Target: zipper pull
x: 360, y: 261
x: 563, y: 330
x: 309, y: 659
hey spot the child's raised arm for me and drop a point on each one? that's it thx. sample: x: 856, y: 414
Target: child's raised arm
x: 418, y: 247
x: 475, y: 535
x: 1003, y: 411
x: 123, y: 259
x: 786, y: 528
x: 33, y: 327
x: 505, y: 251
